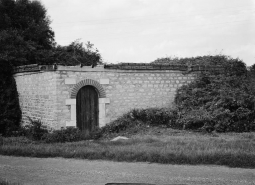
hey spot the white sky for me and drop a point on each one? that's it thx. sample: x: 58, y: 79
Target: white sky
x: 144, y: 30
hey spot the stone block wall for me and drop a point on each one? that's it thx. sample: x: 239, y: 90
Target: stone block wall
x: 50, y: 95
x: 37, y: 96
x: 126, y: 89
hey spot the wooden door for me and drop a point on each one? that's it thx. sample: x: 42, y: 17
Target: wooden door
x: 87, y: 109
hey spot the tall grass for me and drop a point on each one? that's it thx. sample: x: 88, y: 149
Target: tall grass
x: 230, y: 150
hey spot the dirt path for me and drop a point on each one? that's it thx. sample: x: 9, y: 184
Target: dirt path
x: 73, y: 171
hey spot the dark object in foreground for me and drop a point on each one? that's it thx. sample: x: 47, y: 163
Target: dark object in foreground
x: 137, y: 184
x: 128, y: 184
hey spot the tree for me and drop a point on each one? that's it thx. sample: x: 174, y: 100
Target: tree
x: 77, y: 54
x: 24, y: 31
x: 10, y: 113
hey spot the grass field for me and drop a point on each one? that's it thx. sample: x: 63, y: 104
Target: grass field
x: 156, y: 145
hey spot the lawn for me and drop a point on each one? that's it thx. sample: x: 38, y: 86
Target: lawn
x: 155, y: 145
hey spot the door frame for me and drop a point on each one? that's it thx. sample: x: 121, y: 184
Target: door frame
x: 85, y: 105
x: 102, y: 102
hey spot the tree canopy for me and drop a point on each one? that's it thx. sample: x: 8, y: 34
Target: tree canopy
x: 24, y: 31
x: 27, y: 38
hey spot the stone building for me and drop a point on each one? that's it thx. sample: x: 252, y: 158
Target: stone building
x: 87, y: 97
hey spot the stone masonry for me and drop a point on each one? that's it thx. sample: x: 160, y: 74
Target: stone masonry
x: 51, y: 95
x: 38, y: 96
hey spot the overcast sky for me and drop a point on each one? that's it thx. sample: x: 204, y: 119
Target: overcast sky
x: 144, y: 30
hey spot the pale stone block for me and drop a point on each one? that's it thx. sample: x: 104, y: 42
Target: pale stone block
x: 101, y: 110
x: 70, y: 101
x: 102, y: 122
x: 70, y: 81
x: 70, y: 123
x: 73, y: 112
x: 104, y: 81
x: 104, y: 100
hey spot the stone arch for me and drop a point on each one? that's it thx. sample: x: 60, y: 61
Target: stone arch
x: 85, y: 82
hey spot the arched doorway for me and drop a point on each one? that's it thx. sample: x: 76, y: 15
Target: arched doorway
x: 87, y: 109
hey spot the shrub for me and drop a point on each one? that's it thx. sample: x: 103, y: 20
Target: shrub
x: 230, y: 65
x: 35, y: 130
x: 134, y: 119
x: 224, y: 102
x: 121, y: 124
x: 68, y: 134
x: 154, y: 116
x: 196, y: 119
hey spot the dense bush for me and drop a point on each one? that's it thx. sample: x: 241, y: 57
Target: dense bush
x: 139, y: 117
x: 35, y: 130
x: 122, y: 123
x: 10, y: 113
x: 68, y: 134
x: 223, y: 102
x: 154, y: 116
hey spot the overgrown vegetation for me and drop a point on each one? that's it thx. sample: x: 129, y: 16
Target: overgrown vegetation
x: 223, y: 102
